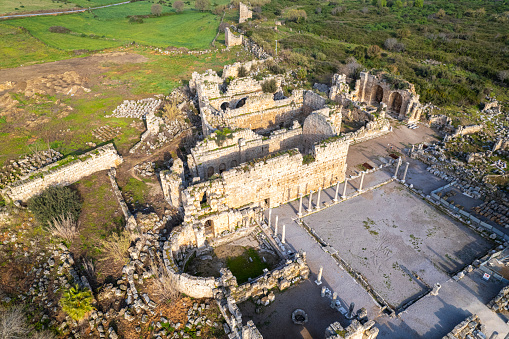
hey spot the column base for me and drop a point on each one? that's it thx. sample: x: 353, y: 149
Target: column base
x: 335, y: 199
x: 309, y: 210
x: 403, y: 181
x: 318, y: 283
x: 394, y: 177
x: 299, y: 215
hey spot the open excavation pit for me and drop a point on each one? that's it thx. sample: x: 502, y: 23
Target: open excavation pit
x: 399, y: 243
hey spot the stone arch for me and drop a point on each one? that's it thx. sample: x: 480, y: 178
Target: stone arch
x: 233, y: 163
x: 209, y: 228
x: 210, y: 171
x: 225, y: 105
x: 396, y: 102
x: 241, y: 103
x: 222, y: 167
x: 378, y: 95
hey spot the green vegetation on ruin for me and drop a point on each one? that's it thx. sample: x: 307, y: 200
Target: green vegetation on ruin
x: 243, y: 269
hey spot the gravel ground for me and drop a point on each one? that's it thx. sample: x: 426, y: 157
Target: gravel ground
x: 397, y: 241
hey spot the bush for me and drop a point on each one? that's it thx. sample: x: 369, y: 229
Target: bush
x: 12, y: 323
x: 64, y: 227
x: 116, y: 248
x: 296, y: 15
x: 135, y: 19
x: 374, y: 52
x: 318, y: 10
x: 202, y: 5
x: 156, y: 9
x: 242, y: 72
x: 269, y: 86
x: 59, y: 29
x: 419, y: 3
x: 178, y: 6
x: 77, y: 302
x: 55, y: 202
x: 338, y: 10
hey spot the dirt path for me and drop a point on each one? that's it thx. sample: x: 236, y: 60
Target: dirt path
x: 83, y: 66
x: 71, y: 11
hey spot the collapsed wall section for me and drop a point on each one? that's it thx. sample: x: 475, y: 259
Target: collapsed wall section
x: 64, y: 172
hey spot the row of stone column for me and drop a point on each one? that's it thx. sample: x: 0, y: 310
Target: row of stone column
x: 395, y: 176
x: 283, y: 234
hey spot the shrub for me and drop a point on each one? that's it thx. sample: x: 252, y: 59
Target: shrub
x: 135, y: 19
x: 12, y: 323
x: 156, y: 9
x: 302, y: 74
x: 374, y: 52
x: 202, y: 5
x: 440, y: 14
x: 116, y: 248
x: 269, y: 86
x: 403, y: 33
x: 64, y: 227
x: 219, y: 10
x: 338, y: 10
x: 242, y: 72
x: 503, y: 75
x: 54, y: 202
x: 77, y: 302
x: 320, y: 56
x: 178, y: 6
x: 59, y: 29
x: 318, y: 10
x: 419, y: 3
x: 296, y: 15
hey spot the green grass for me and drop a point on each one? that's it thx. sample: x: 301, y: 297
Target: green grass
x: 18, y: 47
x: 110, y: 27
x: 21, y: 6
x: 243, y: 269
x: 136, y: 189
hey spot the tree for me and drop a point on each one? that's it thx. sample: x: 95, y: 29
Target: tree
x: 374, y: 52
x: 419, y: 3
x: 297, y: 15
x: 178, y: 6
x: 156, y: 9
x: 202, y: 5
x: 77, y: 302
x: 242, y: 72
x: 54, y: 202
x: 269, y: 86
x: 503, y: 75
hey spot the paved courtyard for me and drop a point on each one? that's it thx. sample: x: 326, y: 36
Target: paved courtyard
x: 397, y: 241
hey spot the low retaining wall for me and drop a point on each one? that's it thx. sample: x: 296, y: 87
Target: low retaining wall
x: 63, y: 173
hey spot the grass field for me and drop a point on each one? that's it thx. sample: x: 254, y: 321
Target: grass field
x: 21, y: 6
x: 243, y: 268
x: 110, y: 27
x: 159, y: 75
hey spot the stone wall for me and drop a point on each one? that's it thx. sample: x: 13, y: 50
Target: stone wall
x: 355, y: 330
x: 465, y: 130
x: 469, y: 328
x: 233, y: 69
x: 172, y: 183
x: 63, y: 173
x: 129, y: 218
x: 501, y: 301
x: 212, y: 156
x: 501, y: 144
x: 231, y: 39
x: 244, y: 13
x: 376, y: 89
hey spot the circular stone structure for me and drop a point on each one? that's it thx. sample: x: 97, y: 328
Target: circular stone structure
x: 299, y: 317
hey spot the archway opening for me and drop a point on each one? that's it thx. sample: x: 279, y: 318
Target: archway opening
x: 378, y: 95
x: 241, y: 103
x: 224, y: 106
x: 209, y: 228
x: 210, y: 171
x: 222, y: 167
x: 396, y: 102
x: 233, y: 163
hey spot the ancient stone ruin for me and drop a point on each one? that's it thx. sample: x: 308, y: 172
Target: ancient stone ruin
x: 231, y: 39
x: 244, y: 13
x: 469, y: 328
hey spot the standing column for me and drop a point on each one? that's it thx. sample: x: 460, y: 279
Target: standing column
x: 275, y: 226
x: 336, y: 195
x: 310, y: 201
x: 395, y: 176
x: 344, y: 189
x: 270, y: 215
x: 404, y: 173
x: 283, y: 234
x: 318, y: 280
x: 300, y: 205
x: 412, y: 151
x: 333, y: 301
x: 318, y: 198
x: 362, y: 181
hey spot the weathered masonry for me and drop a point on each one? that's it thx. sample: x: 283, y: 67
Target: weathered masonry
x: 64, y: 172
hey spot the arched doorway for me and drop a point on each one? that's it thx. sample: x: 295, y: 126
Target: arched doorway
x: 210, y: 171
x: 222, y: 167
x: 378, y: 95
x: 224, y: 106
x: 209, y: 228
x: 241, y: 103
x: 396, y: 102
x: 233, y: 163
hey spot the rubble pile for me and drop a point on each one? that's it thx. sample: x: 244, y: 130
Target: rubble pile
x: 495, y: 211
x: 501, y: 302
x: 136, y: 108
x: 469, y: 328
x: 105, y: 133
x: 16, y: 169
